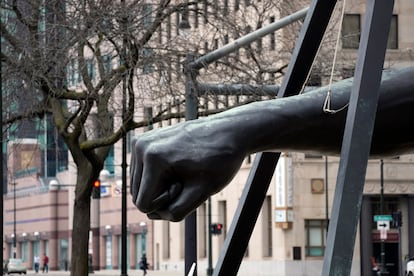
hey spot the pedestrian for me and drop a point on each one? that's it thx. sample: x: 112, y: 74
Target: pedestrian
x: 143, y: 264
x: 36, y: 261
x: 45, y: 263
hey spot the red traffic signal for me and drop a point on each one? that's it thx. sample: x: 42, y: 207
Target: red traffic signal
x: 97, y: 183
x: 216, y: 228
x: 96, y: 190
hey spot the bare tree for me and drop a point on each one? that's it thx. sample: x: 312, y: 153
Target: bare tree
x: 77, y: 61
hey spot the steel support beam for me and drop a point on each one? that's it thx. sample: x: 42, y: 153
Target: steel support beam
x: 190, y: 222
x: 311, y: 35
x: 357, y: 139
x: 256, y: 187
x: 245, y: 40
x: 237, y: 89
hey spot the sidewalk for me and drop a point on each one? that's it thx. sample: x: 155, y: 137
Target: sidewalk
x: 131, y: 272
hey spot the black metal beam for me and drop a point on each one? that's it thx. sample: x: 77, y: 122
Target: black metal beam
x: 357, y: 139
x: 190, y: 222
x: 236, y: 89
x: 310, y: 38
x: 311, y: 35
x: 256, y: 188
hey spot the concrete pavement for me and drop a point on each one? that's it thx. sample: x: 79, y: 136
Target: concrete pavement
x: 112, y: 273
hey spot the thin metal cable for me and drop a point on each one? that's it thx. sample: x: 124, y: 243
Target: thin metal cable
x: 327, y: 102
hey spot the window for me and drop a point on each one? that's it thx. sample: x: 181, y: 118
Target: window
x: 90, y: 67
x: 267, y: 225
x: 202, y: 230
x: 236, y: 5
x: 313, y: 156
x: 107, y: 60
x: 177, y: 22
x: 351, y: 31
x: 106, y: 25
x: 272, y: 35
x: 147, y: 54
x: 226, y: 7
x: 259, y: 43
x: 195, y: 15
x: 169, y: 28
x: 148, y: 115
x: 393, y: 34
x: 205, y: 10
x: 315, y: 237
x: 147, y: 14
x: 109, y: 164
x: 72, y: 72
x: 108, y: 251
x: 166, y: 239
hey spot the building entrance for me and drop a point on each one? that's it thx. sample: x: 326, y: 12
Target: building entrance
x: 390, y: 249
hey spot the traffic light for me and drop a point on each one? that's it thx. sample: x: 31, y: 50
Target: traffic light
x: 96, y: 190
x: 397, y: 219
x: 216, y: 228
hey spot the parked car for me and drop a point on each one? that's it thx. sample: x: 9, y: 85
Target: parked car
x: 410, y: 267
x: 15, y: 266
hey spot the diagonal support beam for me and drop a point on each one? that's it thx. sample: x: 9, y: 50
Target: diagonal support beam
x: 316, y: 22
x: 255, y: 189
x: 357, y: 139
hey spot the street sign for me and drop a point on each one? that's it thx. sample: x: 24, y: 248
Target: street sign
x: 383, y: 225
x: 382, y: 218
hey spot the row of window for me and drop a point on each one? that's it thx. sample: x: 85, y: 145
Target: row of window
x: 351, y: 32
x: 315, y: 231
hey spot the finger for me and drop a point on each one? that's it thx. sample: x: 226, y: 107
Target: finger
x: 183, y: 204
x: 166, y: 197
x: 136, y: 170
x: 152, y: 185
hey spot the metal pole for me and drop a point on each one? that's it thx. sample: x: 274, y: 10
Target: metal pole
x: 237, y: 89
x: 357, y: 137
x: 124, y: 180
x: 382, y: 270
x: 326, y: 195
x: 210, y: 244
x: 191, y: 105
x: 124, y: 156
x: 1, y: 165
x: 247, y: 39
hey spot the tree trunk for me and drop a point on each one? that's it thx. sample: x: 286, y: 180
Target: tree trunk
x: 80, y: 235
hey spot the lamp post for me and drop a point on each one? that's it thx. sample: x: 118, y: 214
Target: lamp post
x: 124, y: 154
x: 383, y: 270
x: 190, y: 114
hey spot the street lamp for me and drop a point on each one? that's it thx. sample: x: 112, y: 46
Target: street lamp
x: 144, y: 231
x: 190, y: 114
